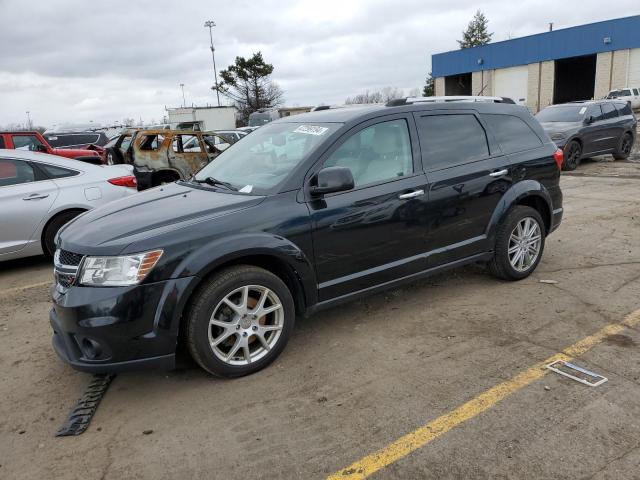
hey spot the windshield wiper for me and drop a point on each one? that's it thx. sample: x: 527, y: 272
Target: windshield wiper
x: 215, y: 182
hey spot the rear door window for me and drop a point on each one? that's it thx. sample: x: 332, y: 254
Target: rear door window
x: 186, y: 144
x: 608, y: 111
x: 513, y: 133
x: 150, y: 142
x: 1, y: 142
x: 624, y: 108
x: 450, y: 140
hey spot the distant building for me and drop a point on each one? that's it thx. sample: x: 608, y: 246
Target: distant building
x: 577, y: 63
x: 203, y: 118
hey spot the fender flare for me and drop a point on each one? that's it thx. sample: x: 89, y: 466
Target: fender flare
x: 213, y: 255
x: 514, y: 196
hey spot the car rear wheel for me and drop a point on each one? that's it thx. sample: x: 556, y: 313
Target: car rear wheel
x: 572, y: 154
x: 239, y: 321
x: 519, y: 244
x: 50, y: 230
x: 625, y: 147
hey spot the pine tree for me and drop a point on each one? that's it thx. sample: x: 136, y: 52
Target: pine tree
x: 429, y: 88
x: 476, y: 32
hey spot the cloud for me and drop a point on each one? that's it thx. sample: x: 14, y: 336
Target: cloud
x: 75, y: 61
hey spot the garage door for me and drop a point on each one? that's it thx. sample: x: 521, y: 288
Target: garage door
x: 511, y: 82
x: 634, y: 68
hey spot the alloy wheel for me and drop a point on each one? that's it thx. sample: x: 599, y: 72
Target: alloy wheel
x: 573, y: 156
x: 246, y: 325
x: 524, y: 244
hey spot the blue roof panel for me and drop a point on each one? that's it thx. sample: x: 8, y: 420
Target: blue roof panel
x: 587, y: 39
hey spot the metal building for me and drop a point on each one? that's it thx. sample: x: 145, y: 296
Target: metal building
x: 576, y: 63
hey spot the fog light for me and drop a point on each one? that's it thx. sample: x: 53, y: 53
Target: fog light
x: 90, y: 348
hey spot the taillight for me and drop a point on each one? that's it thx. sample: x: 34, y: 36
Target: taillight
x: 128, y: 181
x: 558, y: 156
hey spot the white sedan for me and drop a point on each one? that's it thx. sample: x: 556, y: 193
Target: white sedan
x: 39, y: 193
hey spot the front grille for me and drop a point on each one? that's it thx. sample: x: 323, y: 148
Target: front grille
x: 66, y: 265
x: 69, y: 258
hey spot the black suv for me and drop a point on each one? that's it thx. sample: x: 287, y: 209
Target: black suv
x: 590, y: 128
x: 304, y: 213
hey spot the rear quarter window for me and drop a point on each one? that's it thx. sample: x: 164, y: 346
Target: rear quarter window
x: 57, y: 172
x: 1, y: 142
x: 512, y: 133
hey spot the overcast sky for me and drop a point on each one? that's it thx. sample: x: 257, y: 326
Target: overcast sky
x: 102, y: 61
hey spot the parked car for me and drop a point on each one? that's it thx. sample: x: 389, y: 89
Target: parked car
x: 626, y: 94
x: 160, y: 156
x: 306, y: 212
x: 118, y: 149
x: 589, y: 128
x: 248, y: 129
x: 39, y: 193
x: 164, y: 156
x: 35, y: 142
x: 76, y: 139
x: 235, y: 135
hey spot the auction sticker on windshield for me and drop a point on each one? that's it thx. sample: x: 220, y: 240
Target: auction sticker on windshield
x: 582, y: 110
x: 311, y: 130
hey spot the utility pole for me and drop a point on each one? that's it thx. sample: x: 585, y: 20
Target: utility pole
x: 184, y: 103
x: 29, y: 122
x: 211, y: 24
x: 551, y: 26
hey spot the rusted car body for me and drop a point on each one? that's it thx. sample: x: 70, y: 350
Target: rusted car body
x: 163, y: 156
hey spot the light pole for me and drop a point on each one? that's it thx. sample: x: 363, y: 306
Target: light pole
x: 211, y: 24
x: 28, y: 121
x: 184, y: 103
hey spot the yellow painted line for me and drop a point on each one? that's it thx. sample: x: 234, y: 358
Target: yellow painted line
x: 441, y: 425
x: 25, y: 287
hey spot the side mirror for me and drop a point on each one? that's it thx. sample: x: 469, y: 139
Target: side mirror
x: 41, y: 148
x: 589, y: 119
x: 332, y: 179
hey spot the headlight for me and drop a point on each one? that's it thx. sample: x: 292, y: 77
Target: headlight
x: 118, y: 271
x: 557, y: 136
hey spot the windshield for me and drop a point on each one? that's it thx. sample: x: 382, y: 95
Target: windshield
x: 568, y: 113
x: 619, y: 93
x: 262, y: 160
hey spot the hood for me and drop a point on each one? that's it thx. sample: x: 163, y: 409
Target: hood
x: 109, y: 229
x: 560, y: 126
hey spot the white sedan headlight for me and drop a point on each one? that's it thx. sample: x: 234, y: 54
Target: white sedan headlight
x: 118, y: 271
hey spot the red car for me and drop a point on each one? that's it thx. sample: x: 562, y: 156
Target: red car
x: 35, y: 142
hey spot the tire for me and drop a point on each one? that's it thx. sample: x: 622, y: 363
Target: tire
x: 572, y: 154
x: 624, y: 147
x: 50, y: 230
x: 110, y: 159
x: 501, y: 265
x: 237, y: 328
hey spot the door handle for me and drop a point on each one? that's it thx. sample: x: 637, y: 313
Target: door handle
x: 499, y: 173
x: 415, y: 193
x: 35, y: 196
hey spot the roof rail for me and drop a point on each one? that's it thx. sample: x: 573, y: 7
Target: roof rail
x: 447, y: 98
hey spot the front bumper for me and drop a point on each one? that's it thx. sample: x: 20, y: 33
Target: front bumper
x: 112, y: 329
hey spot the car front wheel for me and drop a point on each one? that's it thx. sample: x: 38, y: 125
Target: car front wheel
x: 519, y: 244
x: 239, y: 321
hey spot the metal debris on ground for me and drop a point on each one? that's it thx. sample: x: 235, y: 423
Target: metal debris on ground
x: 82, y: 413
x: 576, y: 373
